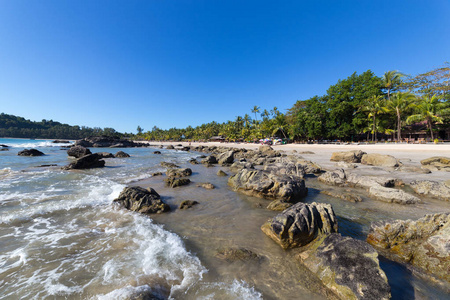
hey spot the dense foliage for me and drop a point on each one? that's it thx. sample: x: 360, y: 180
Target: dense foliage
x: 18, y: 127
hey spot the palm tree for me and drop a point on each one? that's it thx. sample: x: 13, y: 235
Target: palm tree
x: 391, y: 80
x: 374, y: 107
x: 247, y: 120
x: 279, y: 124
x: 255, y: 110
x: 428, y: 108
x: 400, y: 103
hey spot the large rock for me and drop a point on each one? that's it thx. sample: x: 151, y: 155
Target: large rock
x: 105, y: 155
x: 226, y: 158
x: 86, y: 162
x: 298, y: 225
x: 182, y: 172
x: 237, y: 166
x: 436, y: 160
x: 348, y: 267
x: 435, y: 189
x: 392, y: 195
x: 286, y: 168
x: 424, y: 243
x: 375, y: 159
x: 353, y: 156
x: 121, y: 154
x: 30, y: 152
x: 342, y: 178
x: 107, y: 141
x: 176, y: 182
x: 209, y: 160
x: 336, y: 177
x: 141, y: 200
x: 266, y: 185
x: 78, y: 151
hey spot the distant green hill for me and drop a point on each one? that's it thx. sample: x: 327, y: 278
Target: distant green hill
x: 18, y: 127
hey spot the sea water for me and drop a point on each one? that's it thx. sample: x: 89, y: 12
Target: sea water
x: 62, y: 238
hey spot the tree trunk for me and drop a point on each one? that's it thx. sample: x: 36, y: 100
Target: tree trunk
x: 399, y: 127
x: 431, y: 130
x: 373, y: 133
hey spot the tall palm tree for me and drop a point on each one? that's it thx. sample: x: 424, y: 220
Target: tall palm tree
x: 374, y: 107
x: 400, y: 103
x: 428, y: 109
x: 255, y: 110
x: 247, y: 120
x: 279, y: 124
x: 391, y: 80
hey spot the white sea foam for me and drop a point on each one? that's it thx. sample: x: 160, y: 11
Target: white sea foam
x: 38, y: 144
x: 220, y: 290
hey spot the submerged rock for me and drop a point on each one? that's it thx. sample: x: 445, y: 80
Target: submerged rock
x: 188, y: 204
x: 279, y: 205
x: 30, y: 152
x: 176, y: 182
x: 234, y: 254
x: 266, y: 185
x: 86, y: 162
x: 439, y: 190
x: 141, y: 200
x: 121, y: 154
x: 348, y: 267
x: 78, y: 151
x: 207, y: 186
x: 300, y: 224
x: 424, y: 243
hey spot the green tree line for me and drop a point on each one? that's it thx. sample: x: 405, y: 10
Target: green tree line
x: 18, y: 127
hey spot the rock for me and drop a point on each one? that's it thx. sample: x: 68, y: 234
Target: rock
x: 369, y: 181
x: 207, y: 185
x: 78, y: 151
x: 265, y: 185
x: 157, y: 174
x: 105, y: 155
x: 30, y: 152
x: 181, y: 172
x: 298, y: 225
x: 141, y: 200
x: 439, y: 160
x: 170, y: 147
x: 86, y: 162
x: 348, y: 156
x: 286, y: 168
x: 439, y: 190
x: 392, y: 195
x: 424, y: 243
x: 156, y: 152
x: 346, y: 165
x: 226, y: 158
x: 279, y: 205
x: 121, y: 154
x: 193, y: 161
x: 176, y: 182
x: 188, y: 204
x: 46, y: 166
x: 209, y: 160
x: 238, y: 166
x: 221, y: 173
x: 4, y: 146
x: 107, y: 141
x: 413, y: 169
x: 375, y: 159
x: 336, y: 177
x: 234, y: 254
x: 348, y: 267
x: 310, y: 167
x: 4, y: 149
x: 185, y: 148
x: 168, y: 165
x: 351, y: 197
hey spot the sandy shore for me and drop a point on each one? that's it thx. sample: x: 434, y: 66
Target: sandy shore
x: 407, y: 154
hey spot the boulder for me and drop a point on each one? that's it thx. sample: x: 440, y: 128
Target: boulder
x: 86, y: 162
x: 141, y: 200
x: 436, y: 160
x: 156, y: 152
x: 121, y: 154
x: 369, y: 181
x: 266, y: 185
x: 107, y: 141
x: 221, y: 173
x: 176, y: 182
x: 193, y: 161
x: 78, y: 151
x: 157, y: 174
x: 392, y: 195
x: 30, y: 152
x: 188, y: 204
x: 348, y: 267
x: 170, y: 147
x: 348, y: 156
x: 226, y: 158
x: 439, y: 190
x: 300, y: 224
x: 240, y: 165
x: 286, y: 168
x: 375, y: 159
x: 181, y: 172
x: 336, y: 177
x: 105, y: 155
x: 209, y: 160
x: 424, y: 243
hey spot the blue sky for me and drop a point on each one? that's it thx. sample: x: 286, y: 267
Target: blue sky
x: 174, y: 63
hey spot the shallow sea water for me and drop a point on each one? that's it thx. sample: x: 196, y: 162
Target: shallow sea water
x: 61, y: 237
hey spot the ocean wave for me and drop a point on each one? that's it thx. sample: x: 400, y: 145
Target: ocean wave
x: 38, y: 144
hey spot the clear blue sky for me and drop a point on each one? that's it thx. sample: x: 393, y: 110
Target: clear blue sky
x: 174, y: 63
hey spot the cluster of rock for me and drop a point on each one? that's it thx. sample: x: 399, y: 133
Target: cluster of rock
x: 85, y: 159
x: 175, y: 175
x: 107, y: 142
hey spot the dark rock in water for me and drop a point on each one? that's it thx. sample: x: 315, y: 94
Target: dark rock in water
x: 185, y: 148
x: 78, y: 151
x: 121, y: 154
x: 424, y: 243
x: 157, y: 174
x: 182, y: 172
x: 210, y: 160
x: 4, y: 146
x: 221, y: 173
x: 235, y: 254
x: 207, y: 185
x: 193, y: 161
x: 300, y: 224
x: 46, y: 166
x: 4, y: 149
x: 105, y: 155
x: 439, y: 190
x: 170, y: 147
x: 107, y: 141
x: 30, y: 152
x: 141, y: 200
x: 156, y: 152
x: 86, y: 162
x: 226, y: 158
x: 266, y: 185
x: 348, y: 267
x: 353, y: 156
x: 59, y: 142
x: 168, y: 165
x: 176, y: 182
x: 188, y: 204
